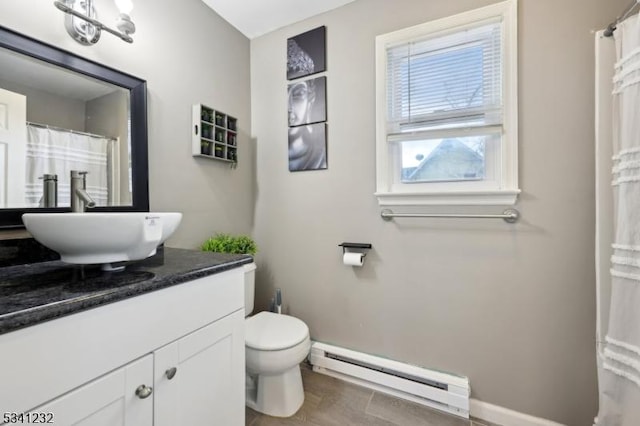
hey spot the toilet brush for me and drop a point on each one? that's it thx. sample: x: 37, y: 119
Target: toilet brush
x: 278, y: 301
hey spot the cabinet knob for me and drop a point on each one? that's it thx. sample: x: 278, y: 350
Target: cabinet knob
x: 170, y: 373
x: 143, y: 391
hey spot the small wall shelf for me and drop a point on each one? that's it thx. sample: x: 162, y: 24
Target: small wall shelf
x: 214, y: 134
x: 358, y: 246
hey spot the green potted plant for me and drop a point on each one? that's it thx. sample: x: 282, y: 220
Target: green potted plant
x: 234, y: 244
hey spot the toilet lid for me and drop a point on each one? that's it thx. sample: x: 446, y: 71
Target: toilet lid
x: 268, y: 331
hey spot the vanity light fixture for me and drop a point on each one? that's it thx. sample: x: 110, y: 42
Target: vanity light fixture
x: 124, y: 22
x: 82, y: 24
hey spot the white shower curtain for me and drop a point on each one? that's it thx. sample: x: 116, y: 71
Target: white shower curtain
x: 619, y: 293
x: 54, y: 151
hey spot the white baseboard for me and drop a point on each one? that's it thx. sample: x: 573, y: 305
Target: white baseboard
x: 504, y: 416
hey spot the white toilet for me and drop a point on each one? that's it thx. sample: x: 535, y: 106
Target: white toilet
x: 275, y: 345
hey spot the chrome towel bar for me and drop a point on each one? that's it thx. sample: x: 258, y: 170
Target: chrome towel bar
x: 509, y: 215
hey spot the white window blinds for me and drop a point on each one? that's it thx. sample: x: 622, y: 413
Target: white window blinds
x: 446, y: 81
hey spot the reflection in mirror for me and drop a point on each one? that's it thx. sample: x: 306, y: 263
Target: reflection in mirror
x: 58, y: 121
x: 60, y: 112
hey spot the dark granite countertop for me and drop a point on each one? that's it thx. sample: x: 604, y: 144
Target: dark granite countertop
x: 38, y: 292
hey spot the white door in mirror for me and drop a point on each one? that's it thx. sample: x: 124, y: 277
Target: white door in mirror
x: 13, y: 136
x: 87, y: 238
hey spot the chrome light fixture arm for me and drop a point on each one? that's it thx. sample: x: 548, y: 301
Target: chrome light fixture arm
x: 86, y: 35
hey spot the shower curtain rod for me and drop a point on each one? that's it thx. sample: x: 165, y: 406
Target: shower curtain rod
x: 62, y: 129
x: 612, y: 26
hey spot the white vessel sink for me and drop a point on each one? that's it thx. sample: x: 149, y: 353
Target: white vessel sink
x: 85, y: 238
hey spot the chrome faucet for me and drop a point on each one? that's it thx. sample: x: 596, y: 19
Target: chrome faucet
x: 49, y: 190
x: 80, y: 200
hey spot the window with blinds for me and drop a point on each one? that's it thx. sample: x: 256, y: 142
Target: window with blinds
x: 445, y: 82
x: 447, y: 105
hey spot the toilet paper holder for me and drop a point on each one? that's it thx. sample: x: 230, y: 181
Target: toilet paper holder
x: 359, y: 246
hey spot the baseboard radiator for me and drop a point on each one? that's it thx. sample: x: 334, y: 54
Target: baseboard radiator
x: 442, y: 391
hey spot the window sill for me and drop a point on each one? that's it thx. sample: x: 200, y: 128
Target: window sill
x: 505, y: 197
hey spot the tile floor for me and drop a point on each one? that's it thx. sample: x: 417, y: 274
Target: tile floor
x: 332, y: 402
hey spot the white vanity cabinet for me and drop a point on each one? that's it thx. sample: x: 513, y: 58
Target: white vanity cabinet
x: 106, y: 401
x: 196, y: 378
x: 173, y: 356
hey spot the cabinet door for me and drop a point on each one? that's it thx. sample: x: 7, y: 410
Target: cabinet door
x: 207, y: 385
x: 110, y: 400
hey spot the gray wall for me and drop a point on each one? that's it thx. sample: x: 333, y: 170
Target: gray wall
x: 109, y: 115
x: 511, y: 306
x: 47, y: 108
x: 188, y: 55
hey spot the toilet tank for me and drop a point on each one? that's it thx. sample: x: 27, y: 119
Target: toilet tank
x: 249, y: 287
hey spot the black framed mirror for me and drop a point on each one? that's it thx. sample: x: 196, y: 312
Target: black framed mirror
x: 54, y: 82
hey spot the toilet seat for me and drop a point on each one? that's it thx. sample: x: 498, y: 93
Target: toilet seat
x: 268, y: 331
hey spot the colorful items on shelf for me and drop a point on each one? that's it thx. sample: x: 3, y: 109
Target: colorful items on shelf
x: 215, y: 134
